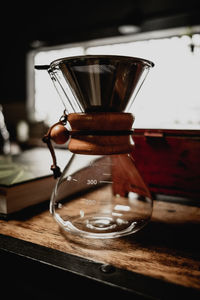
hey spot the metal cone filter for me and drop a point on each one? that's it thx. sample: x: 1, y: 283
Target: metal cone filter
x: 99, y: 83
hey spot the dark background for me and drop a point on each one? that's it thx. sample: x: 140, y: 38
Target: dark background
x: 24, y: 24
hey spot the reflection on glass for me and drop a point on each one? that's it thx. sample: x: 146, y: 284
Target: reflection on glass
x: 100, y: 193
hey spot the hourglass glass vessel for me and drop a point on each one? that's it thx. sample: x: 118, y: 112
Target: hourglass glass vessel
x: 100, y: 193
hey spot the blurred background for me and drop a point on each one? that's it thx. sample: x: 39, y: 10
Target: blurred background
x: 166, y: 32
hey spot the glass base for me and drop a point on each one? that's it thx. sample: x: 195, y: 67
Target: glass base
x: 102, y: 226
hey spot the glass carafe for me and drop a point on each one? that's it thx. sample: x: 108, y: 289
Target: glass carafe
x: 100, y: 193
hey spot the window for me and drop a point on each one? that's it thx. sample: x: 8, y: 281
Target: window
x: 170, y: 95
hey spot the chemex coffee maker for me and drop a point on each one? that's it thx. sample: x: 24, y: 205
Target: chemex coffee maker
x: 100, y: 193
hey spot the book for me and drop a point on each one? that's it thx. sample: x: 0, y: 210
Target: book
x: 26, y: 179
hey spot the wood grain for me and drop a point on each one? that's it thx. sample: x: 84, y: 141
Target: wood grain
x: 97, y: 144
x: 101, y: 121
x: 167, y: 248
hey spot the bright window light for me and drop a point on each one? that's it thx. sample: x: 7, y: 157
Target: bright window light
x: 169, y: 97
x: 48, y: 106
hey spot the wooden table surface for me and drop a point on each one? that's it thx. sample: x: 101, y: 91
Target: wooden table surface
x: 166, y: 250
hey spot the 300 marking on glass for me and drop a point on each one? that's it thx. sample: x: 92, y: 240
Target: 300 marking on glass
x: 91, y: 181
